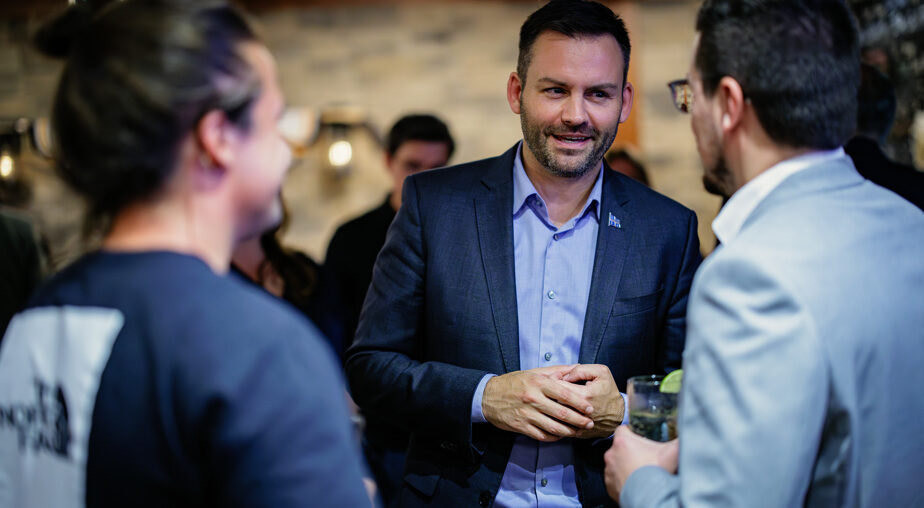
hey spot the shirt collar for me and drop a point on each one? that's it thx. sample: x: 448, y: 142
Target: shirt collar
x: 523, y: 189
x: 741, y: 205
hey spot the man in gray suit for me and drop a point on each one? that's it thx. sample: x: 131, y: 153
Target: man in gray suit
x: 805, y: 328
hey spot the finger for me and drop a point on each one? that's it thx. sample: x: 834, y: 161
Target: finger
x: 602, y: 388
x: 584, y: 373
x: 564, y: 414
x: 569, y: 395
x: 537, y: 433
x: 551, y: 427
x: 554, y: 371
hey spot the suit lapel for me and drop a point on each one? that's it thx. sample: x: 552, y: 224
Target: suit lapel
x: 494, y: 220
x: 612, y: 247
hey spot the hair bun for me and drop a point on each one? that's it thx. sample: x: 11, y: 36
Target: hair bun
x: 57, y: 36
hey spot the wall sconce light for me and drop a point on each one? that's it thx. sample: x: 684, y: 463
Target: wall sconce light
x: 336, y: 140
x: 340, y: 153
x: 7, y: 164
x: 334, y: 136
x: 15, y: 187
x: 10, y: 147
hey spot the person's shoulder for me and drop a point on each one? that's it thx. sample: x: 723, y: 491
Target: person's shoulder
x: 244, y: 308
x: 189, y: 300
x: 66, y: 285
x: 359, y: 226
x: 373, y: 215
x: 240, y: 323
x: 357, y: 235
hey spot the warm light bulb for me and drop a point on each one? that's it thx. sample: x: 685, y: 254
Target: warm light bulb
x: 340, y: 153
x: 6, y: 166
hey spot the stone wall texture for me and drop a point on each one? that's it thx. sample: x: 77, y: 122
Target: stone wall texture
x: 452, y: 59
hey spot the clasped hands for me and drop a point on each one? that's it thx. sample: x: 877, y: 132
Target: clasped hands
x: 548, y: 404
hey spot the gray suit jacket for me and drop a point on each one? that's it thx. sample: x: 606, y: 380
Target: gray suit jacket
x: 803, y: 368
x: 442, y: 312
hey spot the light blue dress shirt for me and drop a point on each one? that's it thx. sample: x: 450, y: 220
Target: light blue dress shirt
x: 553, y: 267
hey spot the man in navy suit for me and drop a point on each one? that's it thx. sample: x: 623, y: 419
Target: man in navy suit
x: 515, y: 295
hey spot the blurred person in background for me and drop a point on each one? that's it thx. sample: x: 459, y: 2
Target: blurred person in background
x: 22, y: 266
x: 142, y: 375
x: 802, y: 370
x: 623, y: 162
x: 415, y: 143
x: 875, y: 115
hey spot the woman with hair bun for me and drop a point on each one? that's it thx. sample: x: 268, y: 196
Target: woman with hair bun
x: 143, y: 375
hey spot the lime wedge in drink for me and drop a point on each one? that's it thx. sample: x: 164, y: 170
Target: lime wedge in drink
x: 671, y: 382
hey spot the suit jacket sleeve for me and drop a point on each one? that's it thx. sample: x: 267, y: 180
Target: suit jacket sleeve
x: 675, y: 327
x: 754, y: 396
x: 387, y: 366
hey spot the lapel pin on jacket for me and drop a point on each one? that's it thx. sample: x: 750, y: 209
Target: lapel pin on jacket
x: 613, y: 222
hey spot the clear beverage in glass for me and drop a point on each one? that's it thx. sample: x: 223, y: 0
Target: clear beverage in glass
x: 652, y: 413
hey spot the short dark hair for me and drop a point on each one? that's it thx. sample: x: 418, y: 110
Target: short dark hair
x: 796, y: 61
x: 138, y: 76
x: 876, y: 103
x: 419, y: 128
x: 573, y: 18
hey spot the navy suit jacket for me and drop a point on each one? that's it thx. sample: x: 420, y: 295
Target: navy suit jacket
x: 441, y: 312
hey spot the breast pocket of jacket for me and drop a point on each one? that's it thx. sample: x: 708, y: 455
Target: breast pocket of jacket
x: 633, y: 329
x: 637, y: 304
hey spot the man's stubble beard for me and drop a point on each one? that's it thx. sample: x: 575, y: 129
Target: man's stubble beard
x: 536, y: 138
x: 717, y: 180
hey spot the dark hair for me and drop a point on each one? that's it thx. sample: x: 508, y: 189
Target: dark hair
x: 298, y: 272
x: 138, y: 76
x: 419, y: 128
x: 875, y: 103
x: 573, y: 18
x: 623, y: 155
x: 797, y: 63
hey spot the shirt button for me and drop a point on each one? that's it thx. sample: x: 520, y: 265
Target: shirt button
x: 551, y: 294
x: 544, y: 482
x: 548, y: 356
